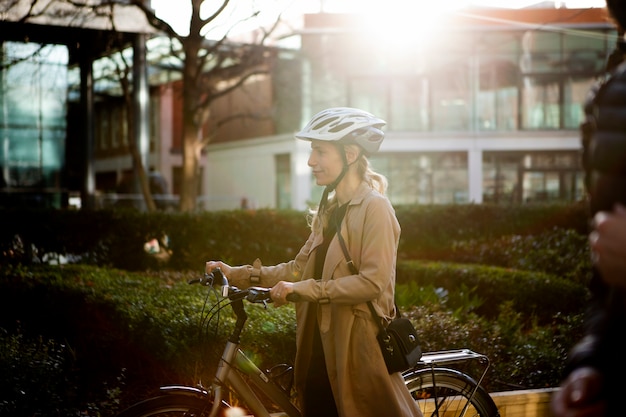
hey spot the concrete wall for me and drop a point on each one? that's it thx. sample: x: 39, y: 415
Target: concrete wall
x: 527, y: 403
x: 239, y: 170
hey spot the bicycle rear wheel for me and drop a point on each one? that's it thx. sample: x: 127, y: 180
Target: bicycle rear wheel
x: 448, y: 392
x: 170, y: 405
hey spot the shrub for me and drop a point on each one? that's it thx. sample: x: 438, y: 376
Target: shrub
x: 560, y: 252
x: 116, y: 238
x: 39, y: 377
x: 153, y: 324
x: 521, y: 356
x: 148, y: 327
x: 430, y: 232
x: 533, y: 294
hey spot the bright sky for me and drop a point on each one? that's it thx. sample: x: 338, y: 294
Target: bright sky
x: 176, y: 12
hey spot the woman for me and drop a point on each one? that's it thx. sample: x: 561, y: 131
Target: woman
x: 339, y: 368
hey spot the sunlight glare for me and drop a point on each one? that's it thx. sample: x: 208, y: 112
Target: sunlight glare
x: 392, y: 17
x: 402, y: 22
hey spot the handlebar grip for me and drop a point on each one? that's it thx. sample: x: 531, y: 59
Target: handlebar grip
x: 293, y: 297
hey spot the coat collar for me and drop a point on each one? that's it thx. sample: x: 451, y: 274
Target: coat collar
x: 363, y: 190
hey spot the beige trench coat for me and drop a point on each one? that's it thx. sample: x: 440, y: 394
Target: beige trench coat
x: 358, y: 376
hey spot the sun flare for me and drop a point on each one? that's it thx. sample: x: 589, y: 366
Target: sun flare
x: 401, y: 23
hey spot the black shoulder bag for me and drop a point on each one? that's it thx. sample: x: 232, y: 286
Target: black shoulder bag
x: 398, y: 341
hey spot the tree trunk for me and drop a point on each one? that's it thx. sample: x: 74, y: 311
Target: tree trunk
x: 189, y: 186
x: 138, y: 168
x: 191, y: 123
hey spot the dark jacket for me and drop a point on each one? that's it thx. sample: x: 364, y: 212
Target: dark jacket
x: 604, y: 160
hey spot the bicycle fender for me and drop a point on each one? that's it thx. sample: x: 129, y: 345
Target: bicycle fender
x: 181, y: 389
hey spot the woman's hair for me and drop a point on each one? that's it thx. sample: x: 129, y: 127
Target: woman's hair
x: 375, y: 180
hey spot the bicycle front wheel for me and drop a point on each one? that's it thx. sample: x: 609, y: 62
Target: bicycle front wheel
x: 170, y: 405
x: 450, y: 393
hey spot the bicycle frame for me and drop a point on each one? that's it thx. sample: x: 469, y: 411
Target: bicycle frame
x: 431, y: 381
x: 231, y: 377
x: 234, y: 364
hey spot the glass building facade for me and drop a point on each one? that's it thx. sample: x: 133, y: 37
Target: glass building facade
x: 475, y: 113
x: 516, y: 86
x: 33, y: 94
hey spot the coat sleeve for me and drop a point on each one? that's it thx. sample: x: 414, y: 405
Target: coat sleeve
x: 372, y: 234
x: 266, y: 276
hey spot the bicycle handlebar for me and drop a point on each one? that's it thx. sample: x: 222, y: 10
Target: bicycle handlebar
x: 252, y: 294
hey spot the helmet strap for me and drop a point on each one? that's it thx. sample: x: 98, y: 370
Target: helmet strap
x: 331, y: 187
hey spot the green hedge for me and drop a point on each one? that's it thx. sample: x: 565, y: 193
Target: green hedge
x: 506, y: 281
x: 116, y: 238
x: 108, y: 332
x: 532, y: 294
x: 429, y: 232
x: 116, y: 333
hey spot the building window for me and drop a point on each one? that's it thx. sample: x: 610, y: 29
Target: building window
x: 425, y: 178
x: 451, y: 99
x: 283, y: 181
x: 499, y: 81
x: 522, y: 177
x: 370, y: 94
x: 541, y: 103
x: 32, y: 115
x: 409, y: 104
x: 497, y: 97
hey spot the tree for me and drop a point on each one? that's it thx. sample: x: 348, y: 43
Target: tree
x: 90, y: 14
x: 210, y: 69
x: 122, y: 71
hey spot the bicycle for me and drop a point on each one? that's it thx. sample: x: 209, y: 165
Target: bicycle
x: 440, y: 391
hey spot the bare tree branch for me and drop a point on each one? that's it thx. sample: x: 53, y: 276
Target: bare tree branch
x: 154, y: 20
x: 231, y: 118
x: 238, y: 77
x: 16, y: 60
x: 31, y: 11
x: 216, y: 14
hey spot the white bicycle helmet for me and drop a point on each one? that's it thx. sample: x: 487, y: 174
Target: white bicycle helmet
x: 345, y: 124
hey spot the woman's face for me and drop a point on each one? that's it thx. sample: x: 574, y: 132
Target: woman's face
x: 325, y: 161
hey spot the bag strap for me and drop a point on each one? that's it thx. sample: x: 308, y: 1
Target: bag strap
x: 346, y: 254
x: 355, y: 271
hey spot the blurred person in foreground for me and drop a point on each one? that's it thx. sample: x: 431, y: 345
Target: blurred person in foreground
x: 594, y: 376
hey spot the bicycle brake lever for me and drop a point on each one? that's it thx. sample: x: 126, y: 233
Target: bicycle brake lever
x: 206, y: 280
x: 258, y: 295
x: 218, y: 274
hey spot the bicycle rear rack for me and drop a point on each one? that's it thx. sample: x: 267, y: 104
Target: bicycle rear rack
x: 446, y: 357
x: 451, y: 356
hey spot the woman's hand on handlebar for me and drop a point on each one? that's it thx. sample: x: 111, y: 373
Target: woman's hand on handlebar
x: 210, y: 266
x: 280, y: 291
